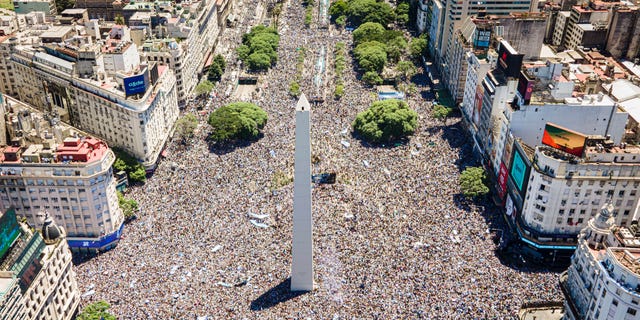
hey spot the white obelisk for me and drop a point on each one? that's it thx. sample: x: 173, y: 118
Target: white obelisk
x: 302, y: 247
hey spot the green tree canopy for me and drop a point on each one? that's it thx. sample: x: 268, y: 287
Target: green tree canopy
x: 259, y: 61
x: 396, y: 47
x: 371, y: 56
x: 361, y: 11
x: 239, y: 120
x: 381, y: 13
x: 243, y: 52
x: 341, y: 21
x: 259, y: 47
x: 440, y: 112
x: 204, y: 87
x: 418, y: 47
x: 385, y: 121
x: 127, y: 163
x: 96, y: 311
x: 472, y: 182
x: 369, y: 31
x: 372, y: 78
x: 406, y: 69
x: 402, y: 13
x: 186, y: 127
x: 338, y: 8
x: 129, y: 206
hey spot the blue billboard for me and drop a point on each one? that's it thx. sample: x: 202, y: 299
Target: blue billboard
x: 136, y: 84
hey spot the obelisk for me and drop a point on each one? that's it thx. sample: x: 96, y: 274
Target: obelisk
x: 302, y: 246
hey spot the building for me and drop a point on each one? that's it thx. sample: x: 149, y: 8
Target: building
x: 587, y: 27
x: 554, y: 189
x: 602, y: 281
x: 99, y: 87
x: 48, y: 167
x: 28, y: 6
x: 524, y: 31
x: 102, y: 9
x: 36, y: 276
x: 623, y: 38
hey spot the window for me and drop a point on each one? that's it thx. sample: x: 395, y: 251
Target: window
x: 621, y: 193
x: 561, y: 211
x: 631, y: 311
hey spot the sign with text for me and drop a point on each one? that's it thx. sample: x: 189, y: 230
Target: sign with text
x: 519, y: 172
x: 502, y: 180
x: 136, y: 84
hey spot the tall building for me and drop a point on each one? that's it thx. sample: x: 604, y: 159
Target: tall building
x: 36, y: 276
x: 48, y: 167
x: 603, y: 281
x: 27, y: 6
x: 587, y: 27
x: 98, y: 86
x: 623, y: 38
x: 456, y: 11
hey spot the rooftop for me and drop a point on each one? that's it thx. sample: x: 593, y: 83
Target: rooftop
x: 628, y: 257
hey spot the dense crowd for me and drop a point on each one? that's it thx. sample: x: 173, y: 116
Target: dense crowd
x: 391, y: 238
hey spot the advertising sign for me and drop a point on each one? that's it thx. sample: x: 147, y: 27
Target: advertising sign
x: 508, y: 146
x: 509, y: 61
x: 502, y: 180
x: 9, y: 230
x: 519, y: 170
x: 563, y: 139
x: 478, y: 105
x: 135, y: 84
x: 510, y: 209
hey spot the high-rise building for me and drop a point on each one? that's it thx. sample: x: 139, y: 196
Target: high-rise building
x: 36, y: 276
x: 51, y: 168
x: 603, y: 281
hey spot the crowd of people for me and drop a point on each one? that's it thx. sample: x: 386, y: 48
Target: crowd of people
x: 391, y: 237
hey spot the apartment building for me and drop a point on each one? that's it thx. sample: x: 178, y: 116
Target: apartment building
x: 602, y: 281
x: 99, y: 87
x: 51, y: 168
x: 36, y: 276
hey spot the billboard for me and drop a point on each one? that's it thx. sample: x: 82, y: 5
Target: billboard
x: 519, y: 172
x: 509, y: 60
x: 525, y: 87
x: 9, y: 230
x: 563, y: 139
x: 502, y: 180
x: 510, y: 209
x: 136, y: 84
x: 478, y: 105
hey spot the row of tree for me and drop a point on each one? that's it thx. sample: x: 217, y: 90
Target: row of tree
x: 375, y: 46
x: 259, y: 49
x: 339, y: 64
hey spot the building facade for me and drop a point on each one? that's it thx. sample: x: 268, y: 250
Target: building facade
x: 603, y: 281
x: 56, y: 170
x: 37, y: 279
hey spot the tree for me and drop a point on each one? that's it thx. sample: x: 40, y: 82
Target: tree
x: 96, y: 311
x: 386, y: 121
x: 472, y: 182
x: 243, y: 52
x: 130, y: 165
x: 418, y: 47
x: 371, y: 56
x: 406, y: 69
x: 215, y: 72
x: 219, y: 60
x: 372, y: 78
x: 396, y: 48
x: 440, y: 112
x: 341, y: 21
x: 129, y: 206
x: 382, y: 13
x: 239, y: 120
x: 186, y: 127
x: 338, y: 9
x: 62, y: 5
x: 370, y: 31
x: 339, y: 91
x: 259, y: 61
x: 294, y: 89
x: 204, y: 88
x: 402, y: 13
